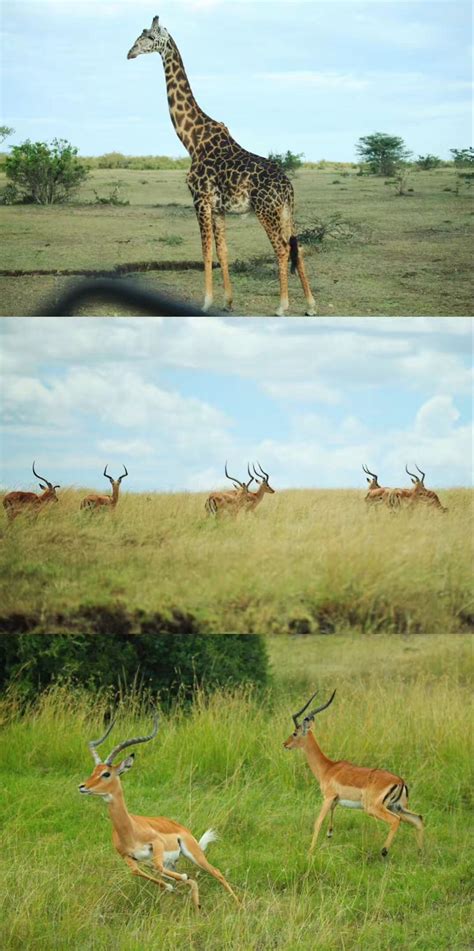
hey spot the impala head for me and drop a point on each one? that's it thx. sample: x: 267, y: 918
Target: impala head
x: 244, y: 486
x: 115, y: 482
x: 374, y: 480
x: 104, y: 779
x: 47, y: 487
x: 262, y: 477
x: 297, y: 739
x: 154, y: 40
x: 416, y: 479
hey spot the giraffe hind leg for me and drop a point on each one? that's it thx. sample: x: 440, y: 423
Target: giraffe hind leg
x: 218, y: 224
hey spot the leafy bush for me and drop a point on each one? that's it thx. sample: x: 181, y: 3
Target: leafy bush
x: 288, y: 161
x: 428, y: 161
x: 45, y: 174
x: 463, y: 156
x: 169, y: 663
x: 332, y: 227
x: 113, y: 198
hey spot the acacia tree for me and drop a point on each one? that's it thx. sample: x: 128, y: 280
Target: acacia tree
x: 382, y: 154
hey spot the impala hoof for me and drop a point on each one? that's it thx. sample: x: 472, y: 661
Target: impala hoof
x: 384, y: 852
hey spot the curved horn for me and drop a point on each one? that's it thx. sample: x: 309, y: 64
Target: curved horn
x: 248, y: 484
x: 231, y: 478
x: 107, y: 476
x: 94, y: 743
x: 124, y: 474
x: 412, y: 475
x: 265, y: 474
x: 133, y: 742
x: 49, y: 484
x: 257, y: 476
x: 295, y: 716
x: 421, y: 473
x: 311, y: 716
x: 368, y: 472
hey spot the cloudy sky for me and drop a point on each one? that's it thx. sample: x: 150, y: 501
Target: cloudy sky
x: 174, y: 398
x: 307, y: 75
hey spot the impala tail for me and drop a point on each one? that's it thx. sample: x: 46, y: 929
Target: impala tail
x: 210, y: 836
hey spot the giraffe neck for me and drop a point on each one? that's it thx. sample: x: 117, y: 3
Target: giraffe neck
x: 186, y: 116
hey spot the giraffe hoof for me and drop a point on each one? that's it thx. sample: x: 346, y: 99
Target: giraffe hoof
x: 281, y: 313
x: 310, y: 313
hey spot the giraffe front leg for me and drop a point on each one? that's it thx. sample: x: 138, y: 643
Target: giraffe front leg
x: 204, y: 216
x: 311, y: 308
x: 218, y: 224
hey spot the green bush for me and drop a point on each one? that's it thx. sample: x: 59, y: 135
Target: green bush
x: 45, y: 174
x: 427, y: 162
x: 288, y: 161
x: 168, y: 663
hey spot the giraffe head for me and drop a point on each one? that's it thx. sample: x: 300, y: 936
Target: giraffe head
x: 154, y: 40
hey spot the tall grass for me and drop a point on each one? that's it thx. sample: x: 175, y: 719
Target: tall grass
x: 307, y: 561
x: 399, y: 704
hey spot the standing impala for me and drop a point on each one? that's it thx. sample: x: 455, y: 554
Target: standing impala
x: 232, y: 501
x: 253, y: 499
x: 381, y: 794
x: 16, y: 502
x: 98, y: 501
x: 419, y: 493
x: 154, y: 840
x: 376, y: 493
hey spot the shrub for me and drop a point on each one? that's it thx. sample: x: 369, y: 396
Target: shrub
x: 289, y: 162
x: 463, y: 156
x: 381, y: 153
x: 168, y: 663
x: 45, y: 174
x: 428, y: 162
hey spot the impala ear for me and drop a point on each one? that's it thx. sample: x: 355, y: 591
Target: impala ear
x: 368, y: 480
x: 125, y: 764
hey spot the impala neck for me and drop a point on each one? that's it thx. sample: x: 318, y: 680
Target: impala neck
x: 115, y: 492
x: 317, y: 761
x: 119, y: 815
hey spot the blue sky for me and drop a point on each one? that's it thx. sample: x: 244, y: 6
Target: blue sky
x: 304, y: 75
x: 310, y: 399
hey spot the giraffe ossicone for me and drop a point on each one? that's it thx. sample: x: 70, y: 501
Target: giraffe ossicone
x: 224, y: 177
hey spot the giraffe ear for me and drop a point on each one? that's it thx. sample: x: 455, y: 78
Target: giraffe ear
x: 155, y: 23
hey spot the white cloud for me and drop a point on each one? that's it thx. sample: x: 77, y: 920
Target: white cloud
x: 315, y: 78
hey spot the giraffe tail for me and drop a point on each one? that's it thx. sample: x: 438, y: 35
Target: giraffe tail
x: 293, y: 252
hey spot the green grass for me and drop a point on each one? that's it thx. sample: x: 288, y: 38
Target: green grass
x: 400, y: 704
x: 307, y: 560
x: 407, y: 255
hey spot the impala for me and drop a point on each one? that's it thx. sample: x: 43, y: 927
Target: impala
x: 231, y: 502
x: 97, y: 501
x: 157, y: 841
x: 376, y: 494
x: 252, y: 499
x: 378, y: 792
x: 16, y: 502
x: 407, y: 498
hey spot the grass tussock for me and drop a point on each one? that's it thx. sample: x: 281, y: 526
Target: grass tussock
x: 399, y: 704
x: 306, y: 562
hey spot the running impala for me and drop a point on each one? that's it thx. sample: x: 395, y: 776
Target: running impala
x: 379, y: 793
x: 95, y: 501
x: 16, y: 502
x: 156, y: 841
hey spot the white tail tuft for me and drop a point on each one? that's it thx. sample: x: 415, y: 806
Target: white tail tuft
x: 210, y: 836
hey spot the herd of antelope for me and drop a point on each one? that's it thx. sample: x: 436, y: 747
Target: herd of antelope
x: 161, y: 842
x: 395, y: 499
x: 231, y: 503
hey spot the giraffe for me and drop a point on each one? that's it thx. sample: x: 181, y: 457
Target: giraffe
x: 224, y: 177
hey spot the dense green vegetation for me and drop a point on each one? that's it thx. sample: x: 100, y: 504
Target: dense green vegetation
x: 400, y: 703
x: 308, y: 560
x: 398, y: 253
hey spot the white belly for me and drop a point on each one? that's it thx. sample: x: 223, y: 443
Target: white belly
x: 350, y: 803
x: 170, y: 858
x: 145, y: 852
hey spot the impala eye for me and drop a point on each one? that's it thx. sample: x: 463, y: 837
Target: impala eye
x: 105, y: 775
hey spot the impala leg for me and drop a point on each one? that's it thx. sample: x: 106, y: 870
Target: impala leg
x: 379, y: 811
x: 413, y: 820
x: 326, y: 806
x: 192, y: 851
x: 218, y: 225
x: 331, y: 821
x: 133, y: 865
x: 176, y: 876
x: 204, y: 216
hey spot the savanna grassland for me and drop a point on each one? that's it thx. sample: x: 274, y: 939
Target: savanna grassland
x: 401, y: 703
x: 306, y: 561
x: 390, y: 254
